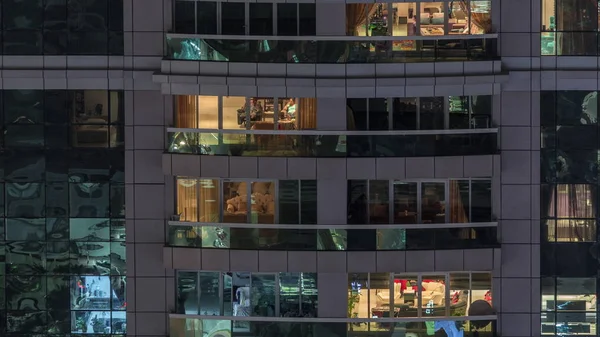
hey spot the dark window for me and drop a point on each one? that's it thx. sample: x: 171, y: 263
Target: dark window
x: 233, y: 16
x: 287, y: 19
x: 22, y: 15
x: 206, y: 17
x: 307, y: 20
x: 185, y: 21
x: 261, y: 19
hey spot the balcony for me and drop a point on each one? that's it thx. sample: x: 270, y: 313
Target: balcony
x: 200, y: 326
x: 332, y: 49
x: 353, y: 144
x: 333, y: 237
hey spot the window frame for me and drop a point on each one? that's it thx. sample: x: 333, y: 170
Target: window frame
x: 419, y: 182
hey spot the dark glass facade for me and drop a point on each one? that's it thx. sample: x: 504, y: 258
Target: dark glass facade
x: 62, y: 27
x: 569, y: 211
x: 62, y: 210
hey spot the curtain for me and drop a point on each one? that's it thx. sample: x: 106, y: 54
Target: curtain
x: 308, y: 113
x: 482, y: 21
x: 458, y: 214
x: 186, y: 112
x: 563, y: 230
x: 187, y: 199
x: 209, y: 201
x: 356, y: 14
x: 572, y: 201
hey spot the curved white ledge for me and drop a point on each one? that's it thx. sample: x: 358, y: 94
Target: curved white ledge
x: 332, y: 38
x: 338, y: 133
x: 347, y: 227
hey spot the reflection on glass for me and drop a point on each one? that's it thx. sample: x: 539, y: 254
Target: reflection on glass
x: 379, y: 202
x: 263, y: 295
x: 433, y: 202
x: 310, y: 51
x: 459, y: 294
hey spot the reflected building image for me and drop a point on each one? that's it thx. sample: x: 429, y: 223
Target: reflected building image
x: 201, y: 168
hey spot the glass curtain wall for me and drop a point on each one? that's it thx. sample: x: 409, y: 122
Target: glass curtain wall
x: 569, y: 27
x: 238, y: 18
x: 63, y: 27
x: 247, y: 294
x: 62, y: 210
x: 569, y: 211
x: 420, y: 113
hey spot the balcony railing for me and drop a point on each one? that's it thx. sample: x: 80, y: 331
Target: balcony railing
x: 332, y: 237
x: 331, y: 49
x: 312, y: 143
x: 202, y: 326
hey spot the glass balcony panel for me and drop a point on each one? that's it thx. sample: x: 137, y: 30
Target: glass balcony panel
x: 331, y: 239
x: 344, y: 51
x: 255, y: 144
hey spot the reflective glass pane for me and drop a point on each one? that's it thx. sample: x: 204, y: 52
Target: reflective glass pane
x: 261, y: 19
x: 210, y: 304
x: 433, y: 202
x: 22, y: 15
x: 263, y: 295
x: 233, y: 18
x: 25, y: 199
x: 308, y: 202
x: 187, y: 293
x: 289, y: 202
x: 89, y: 199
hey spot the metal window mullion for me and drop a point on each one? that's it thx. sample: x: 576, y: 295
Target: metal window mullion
x: 247, y: 113
x: 277, y: 297
x: 301, y: 288
x: 219, y: 18
x: 221, y: 198
x: 446, y: 11
x: 274, y: 21
x: 199, y: 291
x: 221, y: 296
x: 391, y: 202
x: 247, y: 17
x: 198, y: 201
x: 419, y: 201
x: 196, y: 17
x: 249, y: 201
x: 446, y: 107
x: 298, y: 19
x: 390, y: 108
x: 275, y: 112
x: 447, y: 299
x: 419, y: 294
x: 368, y: 204
x: 417, y: 16
x: 418, y: 103
x: 470, y: 200
x: 447, y: 198
x: 276, y: 196
x: 469, y: 16
x: 220, y: 112
x: 299, y: 201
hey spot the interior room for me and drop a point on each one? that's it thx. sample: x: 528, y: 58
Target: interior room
x: 251, y: 113
x: 569, y: 306
x: 201, y: 200
x: 376, y: 295
x: 95, y: 115
x: 571, y: 212
x: 98, y: 304
x: 460, y: 17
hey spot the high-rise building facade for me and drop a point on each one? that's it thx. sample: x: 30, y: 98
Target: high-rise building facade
x: 192, y: 168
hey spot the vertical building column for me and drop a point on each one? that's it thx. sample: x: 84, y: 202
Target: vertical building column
x: 152, y: 287
x: 518, y: 302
